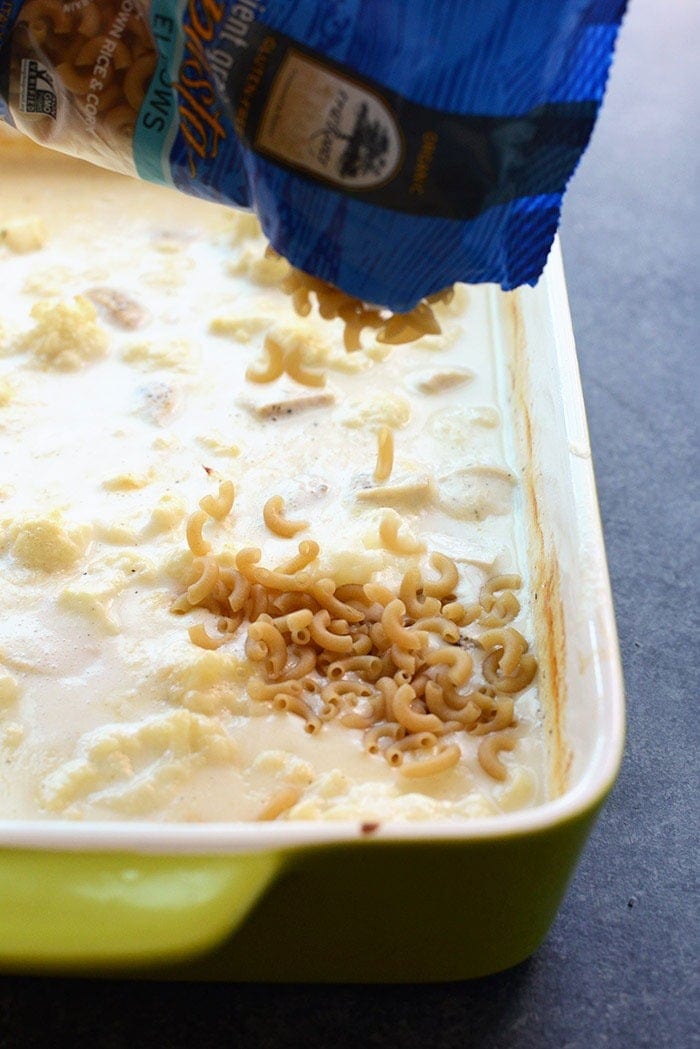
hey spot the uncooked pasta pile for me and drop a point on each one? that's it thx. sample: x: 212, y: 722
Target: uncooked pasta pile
x: 391, y: 328
x: 400, y: 666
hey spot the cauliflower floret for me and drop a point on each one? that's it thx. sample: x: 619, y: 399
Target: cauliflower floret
x: 9, y: 689
x: 23, y: 235
x: 387, y: 409
x: 66, y: 336
x: 48, y: 544
x: 134, y: 767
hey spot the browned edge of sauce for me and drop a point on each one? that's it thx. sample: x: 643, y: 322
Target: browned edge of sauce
x: 548, y: 609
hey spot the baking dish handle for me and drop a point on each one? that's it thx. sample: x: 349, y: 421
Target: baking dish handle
x: 70, y: 910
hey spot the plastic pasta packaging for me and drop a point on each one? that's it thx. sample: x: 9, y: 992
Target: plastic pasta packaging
x: 390, y: 147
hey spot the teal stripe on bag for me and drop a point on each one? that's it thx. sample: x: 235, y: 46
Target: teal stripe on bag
x: 158, y: 118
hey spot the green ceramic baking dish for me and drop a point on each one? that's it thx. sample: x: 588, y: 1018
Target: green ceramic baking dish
x: 368, y: 902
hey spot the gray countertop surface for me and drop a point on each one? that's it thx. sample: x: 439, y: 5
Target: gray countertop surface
x: 619, y: 967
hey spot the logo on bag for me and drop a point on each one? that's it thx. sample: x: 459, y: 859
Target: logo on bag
x: 36, y: 89
x: 323, y: 122
x: 365, y: 147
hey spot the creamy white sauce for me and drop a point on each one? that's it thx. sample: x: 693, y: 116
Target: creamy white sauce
x: 107, y: 710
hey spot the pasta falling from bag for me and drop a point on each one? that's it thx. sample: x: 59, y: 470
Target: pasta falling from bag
x: 389, y: 148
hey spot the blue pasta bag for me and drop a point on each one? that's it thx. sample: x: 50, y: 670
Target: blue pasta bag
x: 391, y: 147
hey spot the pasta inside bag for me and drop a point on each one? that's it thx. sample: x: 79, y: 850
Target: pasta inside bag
x: 389, y: 148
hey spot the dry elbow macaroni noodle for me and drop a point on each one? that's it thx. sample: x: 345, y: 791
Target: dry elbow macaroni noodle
x: 279, y: 360
x: 219, y: 506
x: 279, y: 803
x: 385, y: 455
x: 398, y: 543
x: 273, y: 515
x: 393, y: 666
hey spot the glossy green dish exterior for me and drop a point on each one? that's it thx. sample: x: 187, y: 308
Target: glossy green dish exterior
x: 91, y: 909
x: 374, y: 911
